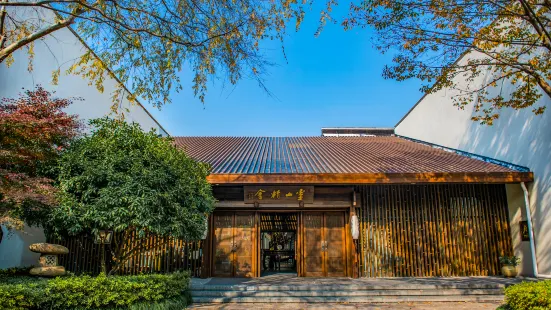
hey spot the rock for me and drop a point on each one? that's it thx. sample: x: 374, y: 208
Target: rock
x: 48, y: 248
x: 48, y: 271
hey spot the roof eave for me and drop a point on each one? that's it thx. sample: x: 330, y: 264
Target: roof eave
x: 371, y: 178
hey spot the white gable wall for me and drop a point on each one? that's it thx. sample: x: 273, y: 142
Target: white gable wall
x: 60, y: 51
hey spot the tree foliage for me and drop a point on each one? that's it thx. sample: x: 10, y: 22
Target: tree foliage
x: 123, y: 179
x: 147, y: 43
x: 510, y: 40
x: 34, y: 130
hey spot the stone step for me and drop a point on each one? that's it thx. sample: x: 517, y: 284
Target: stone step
x: 353, y: 299
x: 333, y: 293
x: 400, y: 287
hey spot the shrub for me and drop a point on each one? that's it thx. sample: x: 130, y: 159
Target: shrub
x: 15, y: 271
x: 155, y: 291
x: 22, y: 293
x: 529, y: 295
x: 509, y: 260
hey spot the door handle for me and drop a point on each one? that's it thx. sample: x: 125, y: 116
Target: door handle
x: 324, y: 246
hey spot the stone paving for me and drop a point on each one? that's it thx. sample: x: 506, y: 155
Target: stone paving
x: 292, y: 283
x: 293, y: 280
x: 389, y: 306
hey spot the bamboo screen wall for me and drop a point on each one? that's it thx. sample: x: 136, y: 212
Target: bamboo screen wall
x: 432, y: 230
x: 155, y: 255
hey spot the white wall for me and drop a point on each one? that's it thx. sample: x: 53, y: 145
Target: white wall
x: 14, y: 249
x: 52, y: 53
x: 518, y: 137
x: 60, y: 51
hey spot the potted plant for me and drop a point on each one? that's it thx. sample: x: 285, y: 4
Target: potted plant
x: 509, y: 265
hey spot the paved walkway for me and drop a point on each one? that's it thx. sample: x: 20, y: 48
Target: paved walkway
x: 393, y: 306
x: 293, y: 280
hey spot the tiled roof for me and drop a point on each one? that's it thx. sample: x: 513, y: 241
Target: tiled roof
x: 317, y: 155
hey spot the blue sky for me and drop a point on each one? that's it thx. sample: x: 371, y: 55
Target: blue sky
x: 333, y: 80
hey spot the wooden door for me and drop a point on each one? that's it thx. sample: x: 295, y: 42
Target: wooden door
x: 324, y: 244
x: 335, y: 249
x: 233, y: 245
x: 313, y: 253
x: 223, y: 245
x: 243, y: 245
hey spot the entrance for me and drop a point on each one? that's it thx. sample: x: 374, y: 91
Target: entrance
x: 260, y: 243
x: 278, y: 243
x: 324, y: 244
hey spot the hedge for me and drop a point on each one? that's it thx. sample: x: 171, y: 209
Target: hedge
x: 154, y: 291
x: 528, y: 295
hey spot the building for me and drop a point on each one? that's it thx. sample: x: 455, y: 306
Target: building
x: 59, y: 51
x: 518, y: 137
x: 356, y: 131
x: 291, y: 204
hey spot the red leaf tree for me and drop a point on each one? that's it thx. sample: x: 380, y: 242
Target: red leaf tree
x: 34, y: 130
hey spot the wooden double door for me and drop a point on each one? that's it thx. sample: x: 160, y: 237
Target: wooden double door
x: 321, y: 250
x: 234, y: 240
x: 324, y: 246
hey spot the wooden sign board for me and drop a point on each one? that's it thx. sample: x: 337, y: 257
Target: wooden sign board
x: 279, y: 194
x: 524, y: 234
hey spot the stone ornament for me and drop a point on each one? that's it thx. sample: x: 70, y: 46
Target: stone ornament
x: 48, y: 248
x: 48, y: 259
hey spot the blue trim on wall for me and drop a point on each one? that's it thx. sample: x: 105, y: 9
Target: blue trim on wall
x: 471, y: 155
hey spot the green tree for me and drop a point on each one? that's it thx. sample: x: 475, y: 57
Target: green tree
x: 510, y: 40
x: 123, y: 179
x: 147, y: 43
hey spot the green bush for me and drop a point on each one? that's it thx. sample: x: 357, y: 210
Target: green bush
x: 529, y: 295
x: 22, y: 293
x: 155, y: 291
x: 15, y: 271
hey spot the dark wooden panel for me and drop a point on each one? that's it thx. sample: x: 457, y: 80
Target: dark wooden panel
x: 278, y: 194
x: 334, y: 235
x: 313, y: 254
x: 371, y: 178
x: 228, y: 193
x: 223, y: 245
x: 432, y: 230
x: 244, y: 243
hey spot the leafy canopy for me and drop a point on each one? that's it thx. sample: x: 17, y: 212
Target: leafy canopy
x: 146, y: 44
x: 510, y: 40
x: 124, y: 179
x: 34, y: 130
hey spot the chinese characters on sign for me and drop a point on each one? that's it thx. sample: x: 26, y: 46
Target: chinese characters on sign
x: 279, y: 194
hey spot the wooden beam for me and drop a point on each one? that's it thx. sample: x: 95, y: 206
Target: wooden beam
x: 372, y: 178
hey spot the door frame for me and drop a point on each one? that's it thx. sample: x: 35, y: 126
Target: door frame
x: 298, y: 250
x: 346, y: 243
x: 211, y: 244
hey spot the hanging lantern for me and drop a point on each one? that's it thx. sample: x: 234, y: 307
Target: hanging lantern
x: 355, y: 227
x: 206, y: 223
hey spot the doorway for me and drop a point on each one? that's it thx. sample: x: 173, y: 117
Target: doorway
x: 278, y: 243
x: 324, y: 244
x: 267, y: 243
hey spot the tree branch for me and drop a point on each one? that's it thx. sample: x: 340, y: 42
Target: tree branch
x: 7, y: 51
x: 3, y: 14
x: 535, y: 21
